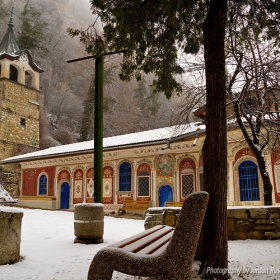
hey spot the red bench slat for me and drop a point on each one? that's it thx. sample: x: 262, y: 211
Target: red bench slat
x: 136, y: 237
x: 147, y: 240
x: 155, y: 246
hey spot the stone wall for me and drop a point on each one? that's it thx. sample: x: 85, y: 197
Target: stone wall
x: 254, y: 223
x: 19, y: 128
x: 17, y: 102
x: 243, y: 223
x: 10, y: 235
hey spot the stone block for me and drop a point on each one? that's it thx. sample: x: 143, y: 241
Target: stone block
x: 156, y: 218
x: 237, y: 213
x: 272, y: 235
x: 171, y: 216
x: 264, y: 225
x: 10, y: 235
x: 170, y: 220
x: 240, y: 235
x: 274, y: 215
x: 258, y: 213
x: 89, y: 223
x: 230, y: 224
x: 155, y: 210
x: 274, y: 210
x: 244, y: 225
x: 254, y: 235
x: 152, y: 220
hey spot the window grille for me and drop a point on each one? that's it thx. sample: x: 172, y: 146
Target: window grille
x: 125, y: 177
x: 43, y: 185
x: 143, y: 186
x: 248, y: 181
x: 187, y: 184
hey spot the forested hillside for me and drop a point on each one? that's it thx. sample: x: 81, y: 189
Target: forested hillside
x: 67, y: 90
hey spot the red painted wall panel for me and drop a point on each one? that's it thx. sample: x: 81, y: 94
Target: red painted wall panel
x: 30, y: 180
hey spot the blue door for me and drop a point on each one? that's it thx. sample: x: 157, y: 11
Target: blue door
x: 64, y: 196
x: 165, y: 194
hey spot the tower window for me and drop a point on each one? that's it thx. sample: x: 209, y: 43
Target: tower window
x: 13, y: 73
x: 27, y: 79
x: 23, y: 122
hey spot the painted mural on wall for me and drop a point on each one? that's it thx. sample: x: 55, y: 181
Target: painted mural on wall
x: 276, y: 171
x: 31, y: 177
x: 90, y: 185
x: 108, y: 174
x: 78, y: 186
x: 165, y: 165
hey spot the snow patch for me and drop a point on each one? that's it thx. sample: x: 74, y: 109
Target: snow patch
x: 5, y: 196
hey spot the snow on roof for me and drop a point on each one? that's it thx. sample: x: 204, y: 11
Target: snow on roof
x: 126, y: 140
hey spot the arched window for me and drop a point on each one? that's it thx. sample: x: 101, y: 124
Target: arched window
x: 28, y: 79
x: 13, y: 73
x: 125, y: 177
x: 43, y: 185
x: 187, y: 177
x: 143, y: 180
x: 248, y: 181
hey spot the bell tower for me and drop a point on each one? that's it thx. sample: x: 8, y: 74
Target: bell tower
x: 19, y: 103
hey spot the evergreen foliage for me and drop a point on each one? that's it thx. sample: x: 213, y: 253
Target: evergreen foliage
x: 148, y: 102
x: 32, y: 28
x: 154, y: 46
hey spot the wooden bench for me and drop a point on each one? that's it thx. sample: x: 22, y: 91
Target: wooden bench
x: 134, y: 206
x: 173, y: 203
x: 161, y: 251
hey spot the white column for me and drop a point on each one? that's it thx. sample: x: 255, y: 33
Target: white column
x: 84, y: 189
x: 115, y: 189
x: 154, y: 188
x: 71, y: 191
x: 56, y: 193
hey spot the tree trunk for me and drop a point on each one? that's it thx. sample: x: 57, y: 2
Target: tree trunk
x: 215, y: 250
x: 267, y: 185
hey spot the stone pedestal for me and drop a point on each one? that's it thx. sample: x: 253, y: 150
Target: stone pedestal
x: 10, y: 235
x: 89, y: 223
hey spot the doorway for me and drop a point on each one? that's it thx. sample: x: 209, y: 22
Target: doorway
x: 64, y: 196
x: 164, y: 194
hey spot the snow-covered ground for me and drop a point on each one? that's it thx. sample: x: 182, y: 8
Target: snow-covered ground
x: 48, y: 251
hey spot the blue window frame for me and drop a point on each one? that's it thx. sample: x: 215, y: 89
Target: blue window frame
x: 43, y: 185
x: 125, y: 177
x: 248, y: 181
